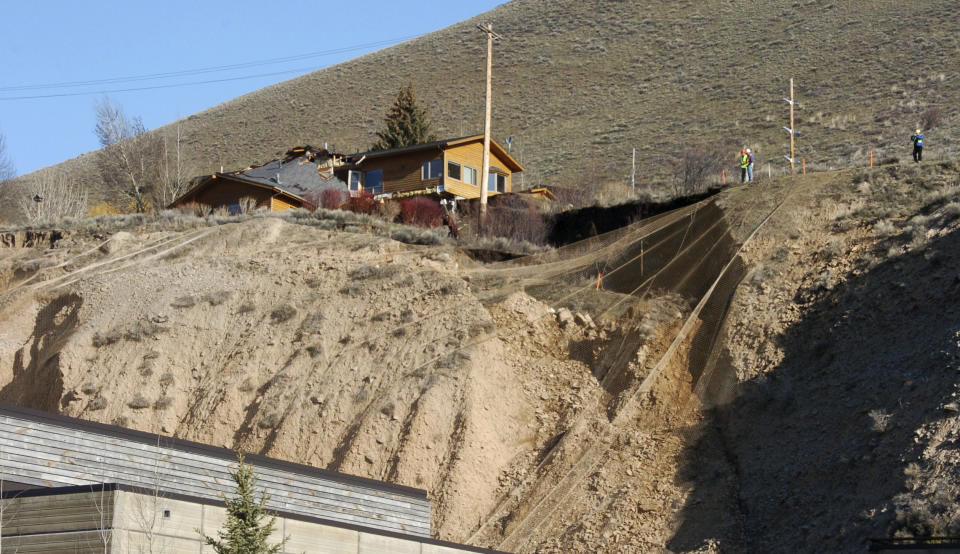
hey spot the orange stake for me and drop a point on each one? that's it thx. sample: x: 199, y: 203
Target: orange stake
x: 871, y: 158
x: 804, y: 166
x: 723, y: 175
x: 599, y: 277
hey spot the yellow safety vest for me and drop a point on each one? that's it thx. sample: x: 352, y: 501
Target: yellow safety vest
x: 744, y: 161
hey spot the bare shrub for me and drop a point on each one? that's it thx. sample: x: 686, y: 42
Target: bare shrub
x: 216, y: 298
x: 107, y: 338
x: 163, y: 403
x: 952, y: 210
x: 49, y: 197
x: 245, y: 308
x: 7, y: 168
x: 90, y: 388
x: 572, y: 198
x: 130, y: 160
x: 184, y: 302
x: 283, y: 313
x: 516, y: 218
x: 139, y: 402
x: 362, y: 203
x: 143, y: 330
x: 166, y: 379
x: 884, y: 229
x: 97, y: 403
x: 881, y: 420
x: 388, y: 210
x: 421, y: 211
x: 269, y: 421
x: 331, y: 199
x: 374, y: 271
x: 692, y: 167
x: 931, y: 118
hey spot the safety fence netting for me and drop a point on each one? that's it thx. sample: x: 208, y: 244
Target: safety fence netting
x: 662, y: 285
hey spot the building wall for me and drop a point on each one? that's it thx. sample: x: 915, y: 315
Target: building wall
x: 404, y: 173
x: 471, y: 155
x: 223, y: 192
x: 45, y: 451
x: 143, y: 522
x: 279, y: 204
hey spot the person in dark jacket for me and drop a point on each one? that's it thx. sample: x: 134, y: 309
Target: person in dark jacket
x: 917, y: 140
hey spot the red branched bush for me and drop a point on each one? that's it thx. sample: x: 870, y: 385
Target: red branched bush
x: 362, y: 203
x: 421, y: 211
x: 330, y: 199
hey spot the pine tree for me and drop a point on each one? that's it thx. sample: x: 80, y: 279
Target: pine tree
x: 245, y: 532
x: 405, y: 125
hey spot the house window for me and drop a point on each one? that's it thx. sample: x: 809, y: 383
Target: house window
x: 496, y: 182
x: 470, y: 176
x: 432, y: 169
x: 373, y: 181
x: 353, y: 180
x: 453, y: 170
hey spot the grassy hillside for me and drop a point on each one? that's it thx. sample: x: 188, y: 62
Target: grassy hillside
x: 580, y: 83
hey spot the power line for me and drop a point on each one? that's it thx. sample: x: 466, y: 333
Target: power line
x: 154, y: 87
x: 203, y: 70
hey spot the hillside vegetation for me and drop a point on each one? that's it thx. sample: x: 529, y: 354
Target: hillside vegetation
x: 581, y: 83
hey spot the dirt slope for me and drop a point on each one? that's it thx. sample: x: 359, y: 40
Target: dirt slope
x: 831, y: 414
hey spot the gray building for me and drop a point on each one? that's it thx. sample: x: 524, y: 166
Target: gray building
x: 77, y: 486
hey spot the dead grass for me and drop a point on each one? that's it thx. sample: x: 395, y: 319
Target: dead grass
x: 605, y: 77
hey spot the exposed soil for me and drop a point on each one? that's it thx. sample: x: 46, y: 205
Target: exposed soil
x: 810, y: 406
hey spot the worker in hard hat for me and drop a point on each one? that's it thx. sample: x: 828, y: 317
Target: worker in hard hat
x: 744, y: 161
x: 749, y: 165
x: 917, y: 140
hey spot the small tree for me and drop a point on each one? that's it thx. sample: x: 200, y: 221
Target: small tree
x: 130, y: 158
x: 7, y: 169
x: 406, y: 123
x: 245, y: 531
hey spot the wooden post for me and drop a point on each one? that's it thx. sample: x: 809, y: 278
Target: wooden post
x: 804, y: 166
x: 792, y: 128
x: 871, y: 158
x: 488, y: 29
x: 633, y: 172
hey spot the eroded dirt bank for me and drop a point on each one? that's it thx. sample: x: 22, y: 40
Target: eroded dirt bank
x: 830, y: 414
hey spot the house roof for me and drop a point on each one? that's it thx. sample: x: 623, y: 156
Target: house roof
x: 498, y: 150
x: 295, y: 175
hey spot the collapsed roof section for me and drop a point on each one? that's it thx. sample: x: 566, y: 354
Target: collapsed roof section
x: 300, y: 175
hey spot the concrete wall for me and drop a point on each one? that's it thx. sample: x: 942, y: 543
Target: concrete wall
x: 51, y: 453
x: 141, y: 521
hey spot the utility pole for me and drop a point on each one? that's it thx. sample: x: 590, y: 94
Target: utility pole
x: 484, y: 177
x: 792, y: 130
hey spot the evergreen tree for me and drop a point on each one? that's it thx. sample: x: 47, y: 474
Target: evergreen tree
x: 245, y: 532
x: 405, y: 125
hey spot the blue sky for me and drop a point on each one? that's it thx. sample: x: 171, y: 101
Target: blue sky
x: 58, y: 42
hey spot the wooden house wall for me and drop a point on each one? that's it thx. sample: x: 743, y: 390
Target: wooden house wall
x: 280, y: 203
x: 471, y: 155
x: 403, y: 173
x: 224, y: 192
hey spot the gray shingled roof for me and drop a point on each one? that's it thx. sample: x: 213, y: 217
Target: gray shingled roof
x: 297, y: 177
